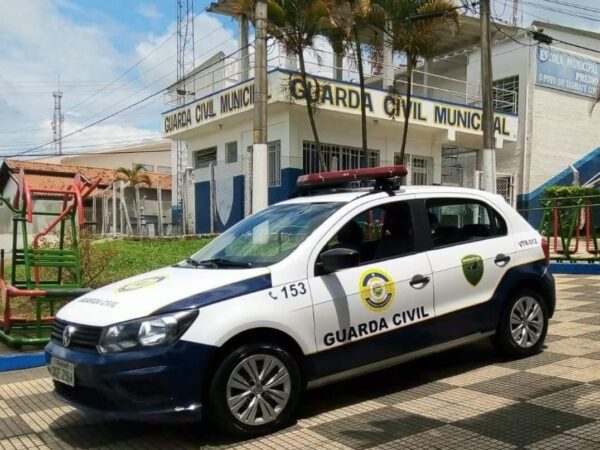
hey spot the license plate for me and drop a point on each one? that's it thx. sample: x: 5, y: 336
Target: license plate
x: 62, y: 371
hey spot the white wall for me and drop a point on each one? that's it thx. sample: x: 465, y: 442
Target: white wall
x: 344, y: 129
x: 508, y: 59
x: 153, y: 154
x: 562, y: 129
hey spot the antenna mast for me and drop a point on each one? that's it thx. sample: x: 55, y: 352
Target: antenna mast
x: 516, y: 22
x: 185, y: 64
x: 57, y: 121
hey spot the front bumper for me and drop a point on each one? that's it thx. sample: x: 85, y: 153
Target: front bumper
x: 156, y: 384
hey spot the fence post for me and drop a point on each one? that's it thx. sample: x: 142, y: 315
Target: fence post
x: 159, y: 223
x: 114, y: 205
x: 213, y: 198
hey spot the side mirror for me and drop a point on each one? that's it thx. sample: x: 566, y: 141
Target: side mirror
x: 338, y: 258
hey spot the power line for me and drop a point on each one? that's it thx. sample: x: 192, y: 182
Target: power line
x: 44, y: 155
x: 148, y: 97
x: 124, y: 73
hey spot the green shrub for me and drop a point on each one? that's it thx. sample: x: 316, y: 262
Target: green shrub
x: 567, y: 199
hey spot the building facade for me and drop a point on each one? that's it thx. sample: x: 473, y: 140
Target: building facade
x: 542, y: 100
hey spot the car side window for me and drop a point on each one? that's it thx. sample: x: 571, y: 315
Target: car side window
x: 458, y: 220
x: 378, y: 233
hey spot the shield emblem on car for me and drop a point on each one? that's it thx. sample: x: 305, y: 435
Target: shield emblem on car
x: 472, y: 266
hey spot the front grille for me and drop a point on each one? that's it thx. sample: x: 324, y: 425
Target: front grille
x: 84, y: 337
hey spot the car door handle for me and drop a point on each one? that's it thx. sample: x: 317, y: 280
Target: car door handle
x: 419, y: 281
x: 502, y: 259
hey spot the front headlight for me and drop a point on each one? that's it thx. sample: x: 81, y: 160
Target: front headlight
x: 145, y: 332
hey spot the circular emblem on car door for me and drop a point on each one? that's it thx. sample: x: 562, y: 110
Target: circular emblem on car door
x: 377, y: 289
x: 145, y: 282
x: 67, y: 335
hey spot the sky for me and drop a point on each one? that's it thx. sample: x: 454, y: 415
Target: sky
x: 109, y: 54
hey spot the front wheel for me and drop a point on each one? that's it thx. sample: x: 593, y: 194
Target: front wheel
x: 255, y: 389
x: 523, y: 326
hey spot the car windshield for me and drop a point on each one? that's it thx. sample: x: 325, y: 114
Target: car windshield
x: 264, y: 238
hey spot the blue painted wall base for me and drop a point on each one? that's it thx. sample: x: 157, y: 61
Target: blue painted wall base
x: 22, y: 361
x: 575, y: 268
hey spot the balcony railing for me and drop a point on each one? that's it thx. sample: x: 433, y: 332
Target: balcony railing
x: 230, y: 71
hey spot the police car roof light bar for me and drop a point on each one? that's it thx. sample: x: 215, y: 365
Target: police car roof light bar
x: 382, y: 176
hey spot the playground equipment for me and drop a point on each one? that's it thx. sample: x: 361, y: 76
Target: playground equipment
x: 570, y: 229
x: 38, y: 274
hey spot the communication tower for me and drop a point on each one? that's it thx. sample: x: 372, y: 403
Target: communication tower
x: 185, y: 64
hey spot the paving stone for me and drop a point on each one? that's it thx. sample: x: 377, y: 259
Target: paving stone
x: 523, y: 424
x: 583, y: 400
x: 13, y: 426
x: 523, y: 386
x: 466, y: 398
x: 370, y: 429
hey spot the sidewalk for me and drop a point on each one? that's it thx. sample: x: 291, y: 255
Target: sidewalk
x: 468, y: 398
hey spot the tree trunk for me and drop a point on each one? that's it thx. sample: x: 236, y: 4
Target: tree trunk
x: 408, y: 105
x: 363, y: 106
x: 311, y: 112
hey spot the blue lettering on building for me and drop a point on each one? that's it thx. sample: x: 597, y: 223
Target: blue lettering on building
x: 567, y: 72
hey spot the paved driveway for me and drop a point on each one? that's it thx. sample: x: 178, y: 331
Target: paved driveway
x: 467, y: 398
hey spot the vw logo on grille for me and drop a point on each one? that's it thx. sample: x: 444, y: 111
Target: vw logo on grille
x: 67, y: 335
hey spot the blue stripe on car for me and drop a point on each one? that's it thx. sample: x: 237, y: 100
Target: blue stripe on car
x: 476, y: 319
x: 219, y: 294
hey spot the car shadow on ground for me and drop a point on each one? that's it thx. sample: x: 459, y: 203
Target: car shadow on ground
x: 74, y: 428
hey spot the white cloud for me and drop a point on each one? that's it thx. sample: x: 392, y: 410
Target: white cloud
x: 150, y: 11
x: 41, y: 43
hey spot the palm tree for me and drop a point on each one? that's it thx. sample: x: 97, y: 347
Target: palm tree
x: 415, y: 28
x: 351, y: 20
x: 136, y: 176
x: 295, y: 24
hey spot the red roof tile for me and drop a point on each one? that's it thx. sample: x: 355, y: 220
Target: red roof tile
x: 58, y: 176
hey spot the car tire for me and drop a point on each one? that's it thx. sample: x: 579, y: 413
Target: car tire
x: 255, y: 390
x: 523, y: 325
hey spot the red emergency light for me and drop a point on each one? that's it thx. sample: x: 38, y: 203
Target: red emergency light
x: 341, y: 177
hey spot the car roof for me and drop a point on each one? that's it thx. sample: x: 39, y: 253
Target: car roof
x: 350, y: 195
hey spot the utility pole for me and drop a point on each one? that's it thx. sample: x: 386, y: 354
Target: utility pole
x: 57, y: 121
x: 488, y: 153
x: 260, y: 159
x: 185, y: 64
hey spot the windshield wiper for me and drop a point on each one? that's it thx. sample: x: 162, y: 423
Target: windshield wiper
x: 220, y: 262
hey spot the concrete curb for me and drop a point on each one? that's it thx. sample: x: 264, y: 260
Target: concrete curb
x: 575, y: 268
x: 23, y: 361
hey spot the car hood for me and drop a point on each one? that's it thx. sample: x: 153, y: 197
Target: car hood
x: 162, y: 290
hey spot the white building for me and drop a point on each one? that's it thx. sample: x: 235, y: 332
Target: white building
x: 542, y: 97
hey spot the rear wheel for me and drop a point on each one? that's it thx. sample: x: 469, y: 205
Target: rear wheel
x: 255, y: 389
x: 523, y: 326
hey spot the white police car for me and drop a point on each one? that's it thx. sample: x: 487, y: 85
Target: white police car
x: 306, y: 292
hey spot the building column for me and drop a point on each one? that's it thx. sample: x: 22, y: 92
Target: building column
x: 427, y: 69
x: 243, y: 47
x: 289, y: 62
x: 388, y: 57
x: 338, y: 70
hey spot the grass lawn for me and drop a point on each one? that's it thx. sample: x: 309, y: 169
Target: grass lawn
x: 134, y: 257
x: 113, y: 260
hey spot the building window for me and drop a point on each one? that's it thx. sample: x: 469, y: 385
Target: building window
x: 231, y: 153
x: 163, y: 169
x: 274, y: 152
x: 420, y: 168
x: 203, y: 158
x: 506, y: 94
x: 337, y: 157
x: 145, y: 167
